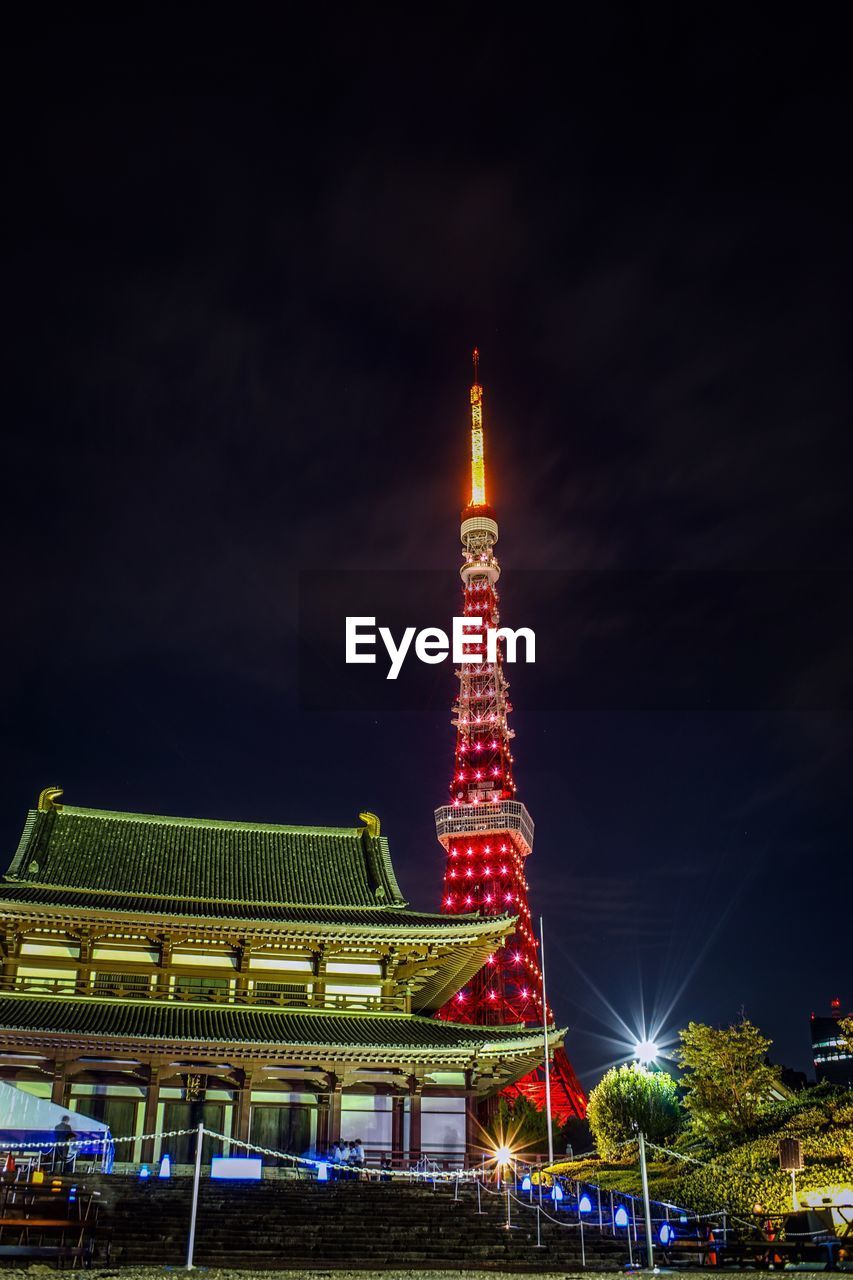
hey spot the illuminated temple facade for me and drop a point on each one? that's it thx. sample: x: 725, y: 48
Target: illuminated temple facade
x: 268, y: 980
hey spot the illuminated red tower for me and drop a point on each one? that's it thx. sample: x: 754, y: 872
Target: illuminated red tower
x: 486, y: 831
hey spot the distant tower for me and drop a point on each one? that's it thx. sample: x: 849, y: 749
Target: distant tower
x: 486, y: 832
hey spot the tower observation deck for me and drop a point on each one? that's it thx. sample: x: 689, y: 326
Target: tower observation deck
x: 485, y: 829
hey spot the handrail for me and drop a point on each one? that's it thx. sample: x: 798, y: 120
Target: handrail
x: 73, y: 986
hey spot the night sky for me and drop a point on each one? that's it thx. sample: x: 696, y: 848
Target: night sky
x: 244, y: 268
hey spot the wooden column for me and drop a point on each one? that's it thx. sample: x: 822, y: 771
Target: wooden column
x: 415, y: 1122
x: 164, y: 966
x: 60, y: 1087
x: 84, y: 966
x: 398, y: 1107
x: 318, y: 978
x: 244, y: 955
x: 243, y: 1108
x: 11, y: 952
x: 149, y: 1123
x: 471, y: 1128
x: 334, y: 1115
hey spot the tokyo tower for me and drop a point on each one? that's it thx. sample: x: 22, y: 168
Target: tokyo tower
x: 486, y: 831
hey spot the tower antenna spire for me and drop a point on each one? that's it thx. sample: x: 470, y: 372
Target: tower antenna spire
x: 485, y: 829
x: 478, y: 466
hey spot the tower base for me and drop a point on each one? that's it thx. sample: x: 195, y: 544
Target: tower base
x: 568, y: 1100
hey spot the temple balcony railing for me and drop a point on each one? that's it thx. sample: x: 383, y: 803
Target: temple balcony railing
x: 304, y: 999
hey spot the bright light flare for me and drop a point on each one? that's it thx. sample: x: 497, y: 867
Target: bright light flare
x: 646, y: 1052
x: 503, y: 1156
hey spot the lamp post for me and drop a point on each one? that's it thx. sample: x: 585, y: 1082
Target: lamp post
x: 545, y: 1038
x: 647, y: 1208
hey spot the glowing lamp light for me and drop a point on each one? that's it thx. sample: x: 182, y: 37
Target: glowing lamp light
x: 645, y: 1051
x: 503, y: 1155
x: 557, y: 1193
x: 322, y: 1172
x: 526, y: 1184
x: 666, y: 1234
x: 621, y: 1218
x: 145, y: 1172
x: 165, y: 1167
x: 585, y: 1204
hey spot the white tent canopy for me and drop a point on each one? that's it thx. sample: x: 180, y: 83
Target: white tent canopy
x: 20, y: 1111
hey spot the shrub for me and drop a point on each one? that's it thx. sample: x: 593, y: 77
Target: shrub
x: 628, y: 1098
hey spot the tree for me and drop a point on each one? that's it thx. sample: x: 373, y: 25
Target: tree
x: 728, y: 1082
x: 628, y: 1098
x: 845, y: 1026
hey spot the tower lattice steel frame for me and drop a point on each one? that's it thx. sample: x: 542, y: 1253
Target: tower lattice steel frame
x: 485, y: 830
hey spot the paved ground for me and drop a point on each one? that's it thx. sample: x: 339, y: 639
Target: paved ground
x: 215, y: 1273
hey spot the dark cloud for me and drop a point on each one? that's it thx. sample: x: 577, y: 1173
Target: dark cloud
x: 243, y: 273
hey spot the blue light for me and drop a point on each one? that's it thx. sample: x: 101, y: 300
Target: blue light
x: 145, y: 1172
x: 165, y: 1167
x: 621, y: 1219
x: 666, y: 1233
x: 585, y: 1204
x: 556, y: 1192
x: 526, y: 1184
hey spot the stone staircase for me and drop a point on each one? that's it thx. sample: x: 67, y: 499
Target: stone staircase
x: 343, y: 1225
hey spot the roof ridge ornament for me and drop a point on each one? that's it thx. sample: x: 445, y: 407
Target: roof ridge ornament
x: 48, y: 799
x: 372, y: 824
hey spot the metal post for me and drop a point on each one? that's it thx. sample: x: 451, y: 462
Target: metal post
x: 508, y: 1213
x: 479, y: 1210
x: 196, y: 1181
x: 538, y: 1227
x: 650, y: 1248
x: 547, y: 1051
x: 794, y: 1200
x: 583, y: 1246
x: 612, y: 1215
x: 600, y: 1218
x: 456, y: 1188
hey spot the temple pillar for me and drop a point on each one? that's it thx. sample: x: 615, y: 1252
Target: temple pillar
x: 244, y: 955
x: 243, y: 1108
x: 398, y: 1110
x: 60, y: 1088
x: 11, y: 952
x: 415, y: 1122
x: 164, y: 966
x: 318, y: 980
x: 334, y: 1112
x: 471, y: 1127
x: 149, y: 1123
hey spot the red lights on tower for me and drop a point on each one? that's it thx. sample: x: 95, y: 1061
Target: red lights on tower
x: 483, y: 814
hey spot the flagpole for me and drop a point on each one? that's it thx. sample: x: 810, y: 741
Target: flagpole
x: 545, y: 1038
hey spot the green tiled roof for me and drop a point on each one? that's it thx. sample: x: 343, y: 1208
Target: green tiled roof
x: 142, y: 856
x: 149, y: 1020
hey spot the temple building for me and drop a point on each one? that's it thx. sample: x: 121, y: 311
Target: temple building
x: 268, y: 980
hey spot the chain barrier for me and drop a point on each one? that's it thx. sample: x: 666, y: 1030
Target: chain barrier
x: 422, y: 1175
x: 96, y: 1140
x: 428, y: 1171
